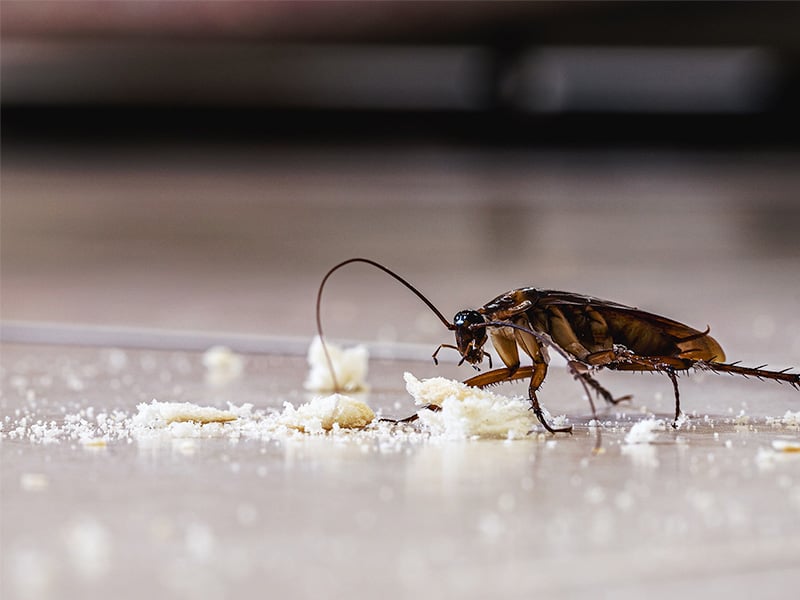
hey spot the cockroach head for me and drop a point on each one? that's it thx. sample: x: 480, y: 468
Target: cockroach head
x: 470, y: 328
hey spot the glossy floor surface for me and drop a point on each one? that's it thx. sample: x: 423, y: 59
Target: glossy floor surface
x: 231, y: 242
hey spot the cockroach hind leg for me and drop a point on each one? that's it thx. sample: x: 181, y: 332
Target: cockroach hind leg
x: 601, y: 391
x: 674, y: 379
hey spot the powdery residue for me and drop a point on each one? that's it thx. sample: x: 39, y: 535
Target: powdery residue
x: 644, y: 432
x: 468, y: 412
x: 350, y: 365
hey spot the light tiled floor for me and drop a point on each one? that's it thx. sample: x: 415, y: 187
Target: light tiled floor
x: 233, y: 241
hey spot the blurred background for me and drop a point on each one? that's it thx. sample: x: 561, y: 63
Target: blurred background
x: 200, y: 165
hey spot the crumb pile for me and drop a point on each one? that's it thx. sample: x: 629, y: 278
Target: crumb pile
x: 468, y: 412
x: 158, y: 420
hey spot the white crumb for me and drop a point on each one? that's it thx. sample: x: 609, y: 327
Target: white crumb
x: 34, y: 482
x: 741, y: 418
x: 791, y: 419
x: 349, y: 364
x: 160, y: 414
x: 782, y: 451
x: 468, y: 412
x: 222, y: 365
x: 682, y: 420
x: 323, y: 413
x: 643, y: 432
x: 786, y: 445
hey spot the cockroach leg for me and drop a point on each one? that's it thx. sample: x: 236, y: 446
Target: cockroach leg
x: 659, y: 364
x: 499, y: 376
x: 539, y: 373
x: 537, y: 410
x: 414, y: 417
x: 436, y: 353
x: 601, y: 391
x: 535, y: 372
x: 674, y: 378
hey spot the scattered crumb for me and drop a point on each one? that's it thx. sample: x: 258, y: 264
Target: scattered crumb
x: 791, y: 419
x: 768, y: 458
x: 350, y: 365
x: 643, y: 432
x: 34, y: 482
x: 222, y: 365
x: 468, y: 412
x: 786, y: 445
x: 323, y: 413
x: 682, y: 420
x: 94, y: 443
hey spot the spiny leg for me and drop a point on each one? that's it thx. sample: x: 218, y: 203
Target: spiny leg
x: 501, y: 375
x: 601, y: 391
x: 532, y: 341
x: 536, y: 372
x: 674, y: 378
x: 539, y: 372
x: 658, y: 364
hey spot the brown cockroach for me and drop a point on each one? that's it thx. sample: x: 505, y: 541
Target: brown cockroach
x: 591, y: 334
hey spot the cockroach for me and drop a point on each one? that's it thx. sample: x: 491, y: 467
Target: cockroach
x: 590, y: 333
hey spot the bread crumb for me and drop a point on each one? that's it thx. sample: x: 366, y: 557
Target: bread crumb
x: 468, y: 412
x: 34, y: 482
x: 94, y: 443
x: 350, y: 365
x: 326, y: 412
x: 791, y: 419
x: 159, y: 414
x: 222, y: 365
x: 786, y: 445
x: 643, y: 432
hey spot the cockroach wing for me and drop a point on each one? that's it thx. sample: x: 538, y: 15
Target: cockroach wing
x: 644, y: 333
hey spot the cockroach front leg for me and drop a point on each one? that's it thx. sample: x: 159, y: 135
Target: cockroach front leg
x: 496, y: 376
x: 537, y: 374
x: 435, y: 355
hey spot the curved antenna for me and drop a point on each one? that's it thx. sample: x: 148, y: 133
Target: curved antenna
x: 386, y: 270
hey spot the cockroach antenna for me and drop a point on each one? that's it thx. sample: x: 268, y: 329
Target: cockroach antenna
x: 386, y: 270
